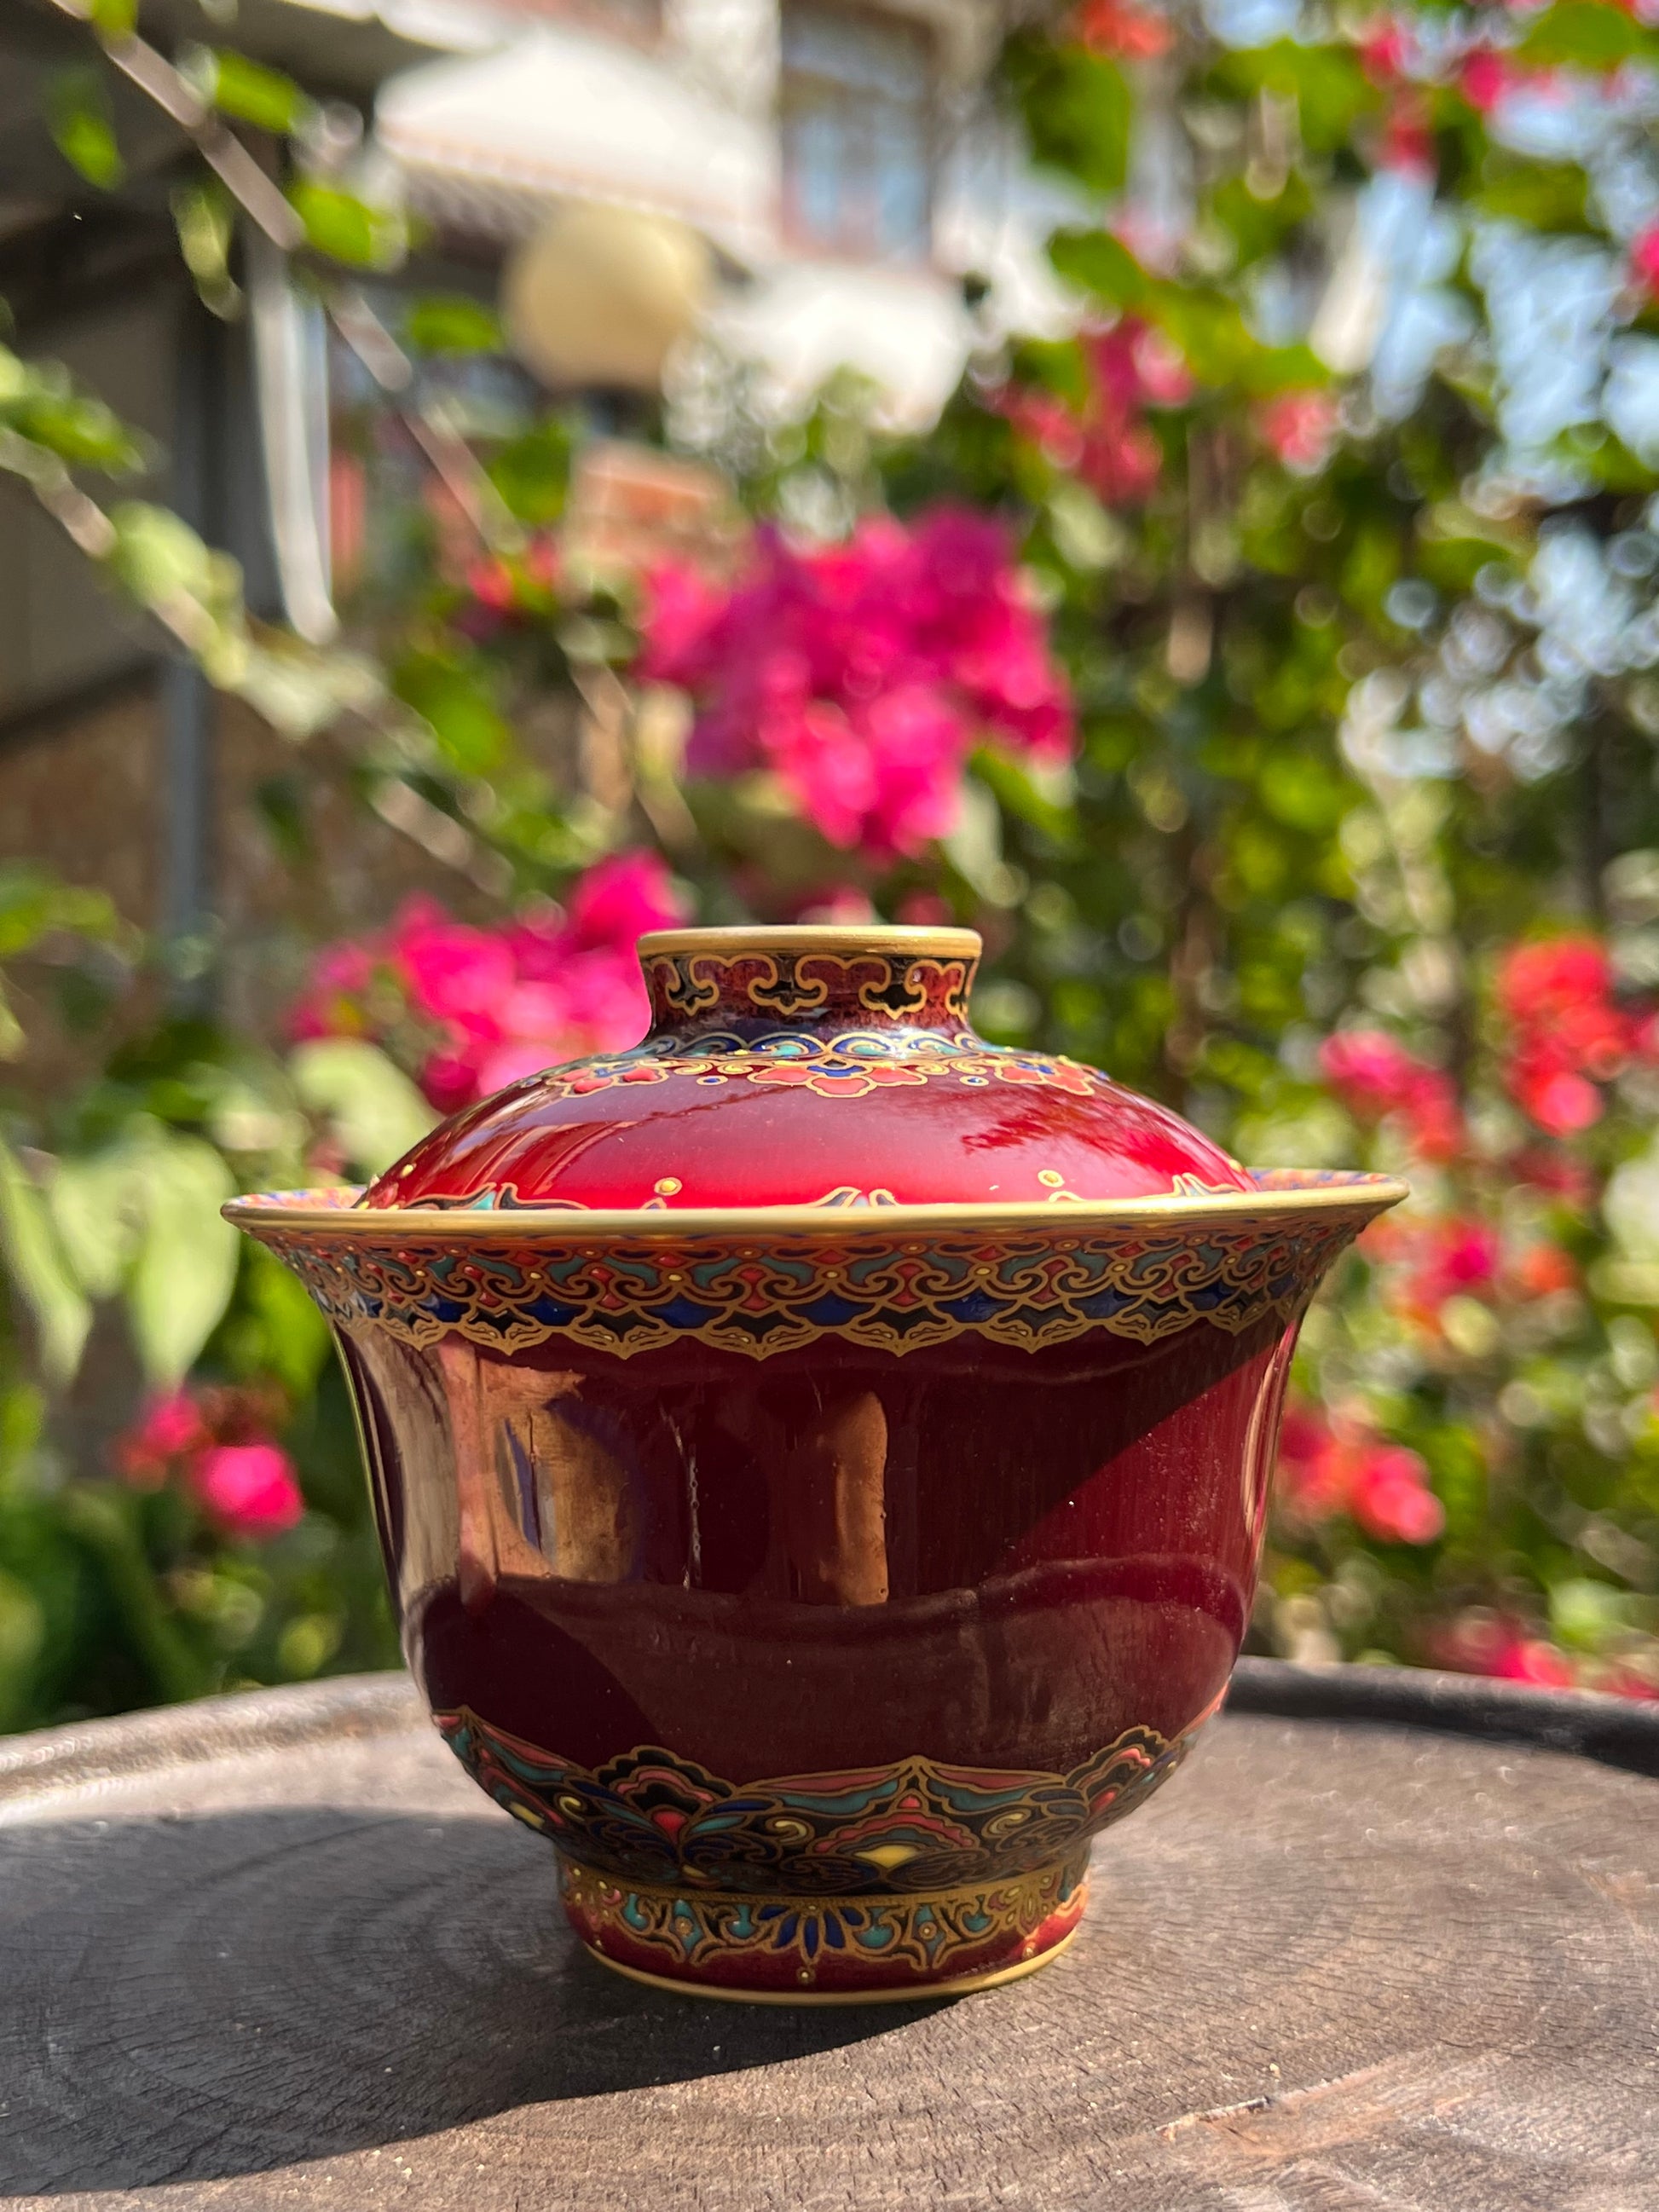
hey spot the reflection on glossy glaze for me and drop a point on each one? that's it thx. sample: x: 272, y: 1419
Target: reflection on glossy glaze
x: 795, y: 1069
x: 819, y: 1581
x: 1005, y: 1561
x: 1037, y: 1565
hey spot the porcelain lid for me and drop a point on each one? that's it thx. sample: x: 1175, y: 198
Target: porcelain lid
x: 821, y: 1066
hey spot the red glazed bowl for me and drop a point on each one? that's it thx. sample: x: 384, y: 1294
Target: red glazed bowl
x: 820, y: 1458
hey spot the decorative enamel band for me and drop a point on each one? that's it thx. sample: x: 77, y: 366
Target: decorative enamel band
x: 759, y: 1281
x: 910, y: 1829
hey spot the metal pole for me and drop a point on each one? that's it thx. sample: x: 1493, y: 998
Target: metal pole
x: 187, y: 703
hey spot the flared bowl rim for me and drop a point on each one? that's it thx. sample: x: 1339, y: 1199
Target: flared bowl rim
x: 1280, y: 1193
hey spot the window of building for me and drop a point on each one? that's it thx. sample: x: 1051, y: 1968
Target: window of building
x: 858, y: 131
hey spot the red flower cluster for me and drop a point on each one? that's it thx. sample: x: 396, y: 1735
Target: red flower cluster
x: 1326, y: 1468
x: 215, y: 1441
x: 1300, y: 428
x: 1566, y: 1035
x: 1644, y: 261
x: 502, y: 588
x: 1375, y: 1076
x: 1496, y: 1643
x: 496, y: 1004
x: 1121, y: 31
x: 1107, y: 444
x: 861, y: 674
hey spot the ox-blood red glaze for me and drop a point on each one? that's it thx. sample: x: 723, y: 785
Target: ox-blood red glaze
x: 809, y: 1067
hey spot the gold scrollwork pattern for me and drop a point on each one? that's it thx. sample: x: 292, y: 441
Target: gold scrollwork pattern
x: 895, y: 1288
x: 807, y: 984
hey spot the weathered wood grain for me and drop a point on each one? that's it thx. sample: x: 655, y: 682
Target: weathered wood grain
x: 277, y: 1952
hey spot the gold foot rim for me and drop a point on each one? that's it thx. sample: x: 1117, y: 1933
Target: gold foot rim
x: 961, y: 1985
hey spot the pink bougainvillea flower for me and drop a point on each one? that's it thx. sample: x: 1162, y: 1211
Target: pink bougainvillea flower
x: 250, y: 1490
x: 1310, y: 1474
x: 1409, y: 147
x: 1460, y: 1255
x: 1531, y: 1659
x: 1107, y: 443
x: 1374, y: 1075
x: 860, y: 675
x: 1326, y: 1469
x: 1115, y: 29
x: 168, y: 1429
x: 1487, y: 79
x: 1389, y: 1495
x: 1555, y: 1098
x: 1567, y: 1035
x: 622, y: 898
x: 497, y: 1004
x: 1300, y: 428
x: 490, y: 583
x: 1383, y: 50
x: 681, y: 612
x: 448, y: 968
x: 1534, y: 980
x: 1645, y: 260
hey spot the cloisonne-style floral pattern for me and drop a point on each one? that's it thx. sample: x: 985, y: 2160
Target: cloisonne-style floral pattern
x: 848, y: 1065
x: 912, y: 1828
x: 800, y: 1939
x: 773, y: 1289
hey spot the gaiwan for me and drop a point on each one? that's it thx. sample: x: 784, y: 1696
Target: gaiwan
x: 820, y: 1457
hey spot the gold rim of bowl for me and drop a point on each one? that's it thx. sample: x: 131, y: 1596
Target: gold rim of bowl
x: 816, y: 937
x: 1359, y: 1193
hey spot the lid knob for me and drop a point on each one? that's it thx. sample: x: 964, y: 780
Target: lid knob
x: 743, y: 982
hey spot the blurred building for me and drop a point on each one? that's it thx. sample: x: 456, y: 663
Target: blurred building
x: 840, y: 159
x: 841, y: 155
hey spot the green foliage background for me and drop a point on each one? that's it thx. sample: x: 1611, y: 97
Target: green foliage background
x: 1353, y: 726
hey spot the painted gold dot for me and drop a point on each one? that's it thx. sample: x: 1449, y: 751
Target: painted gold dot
x: 1051, y: 1177
x: 666, y: 1187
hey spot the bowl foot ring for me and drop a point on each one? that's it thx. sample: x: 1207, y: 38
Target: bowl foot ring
x: 815, y: 1950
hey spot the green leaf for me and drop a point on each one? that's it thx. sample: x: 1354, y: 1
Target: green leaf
x: 1327, y: 83
x: 78, y: 113
x: 39, y: 1267
x: 349, y: 229
x: 186, y: 1267
x: 451, y: 323
x: 95, y: 1201
x: 22, y: 1638
x: 253, y: 93
x: 157, y: 555
x: 34, y: 905
x: 376, y: 1111
x: 202, y: 213
x: 293, y: 1338
x: 1546, y: 195
x: 1021, y: 794
x: 114, y: 19
x: 1587, y: 34
x: 533, y: 472
x: 1096, y: 262
x: 459, y: 703
x: 83, y: 432
x: 1077, y: 109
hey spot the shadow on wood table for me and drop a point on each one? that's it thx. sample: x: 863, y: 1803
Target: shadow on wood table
x: 257, y: 1988
x: 276, y: 1950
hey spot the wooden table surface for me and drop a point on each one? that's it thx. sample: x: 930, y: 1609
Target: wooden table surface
x: 277, y: 1951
